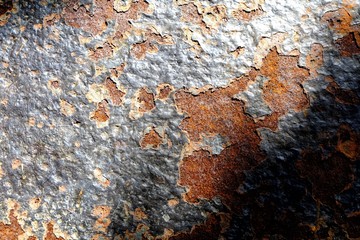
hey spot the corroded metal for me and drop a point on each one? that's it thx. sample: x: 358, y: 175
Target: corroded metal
x: 124, y: 119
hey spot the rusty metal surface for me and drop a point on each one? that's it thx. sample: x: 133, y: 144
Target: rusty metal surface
x: 181, y: 119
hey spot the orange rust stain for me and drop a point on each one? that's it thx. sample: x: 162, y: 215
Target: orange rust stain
x: 314, y: 60
x: 50, y: 233
x: 104, y: 51
x: 173, y: 202
x: 217, y: 112
x: 103, y: 221
x: 349, y: 44
x: 116, y: 96
x: 102, y: 113
x: 210, y: 229
x: 344, y: 96
x: 338, y: 20
x: 12, y: 230
x: 146, y: 100
x: 151, y: 139
x: 139, y: 214
x: 247, y: 15
x: 284, y: 91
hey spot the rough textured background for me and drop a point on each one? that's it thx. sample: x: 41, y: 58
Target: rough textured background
x: 151, y: 119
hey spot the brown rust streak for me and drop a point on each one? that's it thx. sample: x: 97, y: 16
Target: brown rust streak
x: 348, y: 45
x: 104, y: 51
x: 216, y: 112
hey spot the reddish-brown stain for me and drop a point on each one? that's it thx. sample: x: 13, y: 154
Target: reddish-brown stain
x: 151, y: 140
x: 330, y: 172
x: 116, y: 96
x: 164, y: 92
x: 50, y: 233
x: 5, y: 6
x: 283, y: 91
x: 348, y: 45
x: 102, y: 113
x: 190, y: 13
x: 217, y: 112
x: 104, y: 51
x: 149, y: 45
x: 95, y: 22
x: 12, y: 230
x: 344, y: 96
x: 76, y: 15
x: 146, y: 100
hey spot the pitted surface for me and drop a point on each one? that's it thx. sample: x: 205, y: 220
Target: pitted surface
x: 179, y: 119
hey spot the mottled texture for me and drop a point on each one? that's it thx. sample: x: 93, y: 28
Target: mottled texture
x: 158, y: 119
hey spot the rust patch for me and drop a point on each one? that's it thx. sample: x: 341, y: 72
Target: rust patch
x: 94, y: 22
x: 16, y: 163
x: 190, y: 13
x: 100, y: 178
x: 151, y: 139
x: 284, y: 89
x: 116, y: 95
x: 66, y: 108
x: 344, y: 96
x: 163, y: 91
x: 139, y: 214
x: 348, y: 142
x: 338, y: 20
x: 146, y: 100
x: 51, y: 19
x: 50, y: 235
x: 247, y: 15
x: 102, y: 114
x: 314, y: 59
x: 217, y: 112
x: 5, y: 6
x: 328, y: 167
x: 101, y: 52
x: 149, y: 45
x: 348, y: 45
x: 12, y: 230
x: 103, y: 221
x: 143, y: 101
x: 35, y: 203
x: 79, y: 16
